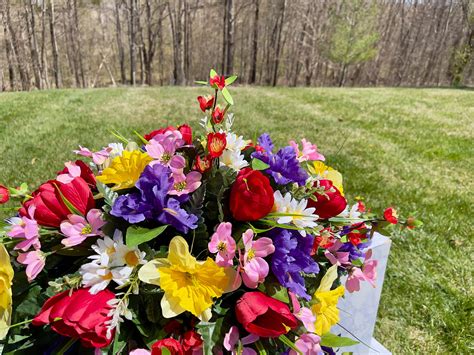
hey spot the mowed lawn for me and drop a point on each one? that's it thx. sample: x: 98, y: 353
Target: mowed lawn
x: 410, y: 148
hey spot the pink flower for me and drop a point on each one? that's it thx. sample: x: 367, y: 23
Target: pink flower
x: 98, y: 158
x: 78, y: 228
x: 308, y: 344
x: 252, y: 265
x: 185, y: 184
x: 304, y: 314
x: 231, y: 340
x: 73, y: 171
x: 336, y: 257
x: 309, y: 151
x: 34, y: 261
x: 165, y: 154
x: 368, y: 272
x: 27, y: 228
x: 223, y: 244
x: 139, y: 352
x: 173, y: 136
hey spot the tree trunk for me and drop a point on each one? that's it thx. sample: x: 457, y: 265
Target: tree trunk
x: 343, y: 75
x: 278, y: 43
x: 228, y: 52
x: 131, y: 34
x: 120, y: 48
x: 54, y: 45
x: 11, y: 68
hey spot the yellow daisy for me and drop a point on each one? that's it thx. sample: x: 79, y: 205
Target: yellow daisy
x: 125, y: 170
x: 6, y: 277
x: 326, y: 172
x: 325, y: 309
x: 189, y: 285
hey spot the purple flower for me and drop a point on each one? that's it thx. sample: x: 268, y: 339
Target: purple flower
x: 152, y: 201
x: 355, y: 252
x: 284, y: 165
x: 291, y: 258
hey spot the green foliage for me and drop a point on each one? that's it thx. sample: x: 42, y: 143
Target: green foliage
x: 138, y: 235
x: 257, y: 164
x: 335, y: 341
x: 109, y: 195
x: 461, y: 58
x: 354, y: 36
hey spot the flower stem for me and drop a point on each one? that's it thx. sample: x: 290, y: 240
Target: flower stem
x: 66, y: 346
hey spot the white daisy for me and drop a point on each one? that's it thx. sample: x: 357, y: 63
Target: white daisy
x: 352, y: 213
x: 233, y: 160
x: 294, y: 212
x: 235, y: 143
x: 116, y: 150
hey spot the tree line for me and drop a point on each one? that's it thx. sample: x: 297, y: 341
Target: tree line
x: 90, y: 43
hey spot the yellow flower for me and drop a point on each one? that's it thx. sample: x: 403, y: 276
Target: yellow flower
x: 326, y: 310
x: 6, y: 277
x: 326, y: 172
x: 189, y: 285
x: 125, y: 170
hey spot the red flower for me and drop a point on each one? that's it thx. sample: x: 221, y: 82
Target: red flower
x: 217, y: 82
x: 50, y: 208
x: 172, y: 345
x: 251, y: 196
x: 411, y: 222
x: 324, y: 240
x: 263, y: 315
x: 158, y: 131
x: 186, y: 133
x: 86, y: 173
x: 79, y: 315
x: 390, y: 215
x: 218, y: 115
x: 191, y: 341
x: 330, y: 203
x: 203, y: 164
x: 205, y: 103
x: 216, y: 143
x: 4, y: 194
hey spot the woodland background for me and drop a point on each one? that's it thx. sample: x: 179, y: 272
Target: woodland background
x: 95, y: 43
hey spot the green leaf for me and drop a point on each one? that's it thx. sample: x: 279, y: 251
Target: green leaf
x: 230, y: 79
x: 138, y: 235
x: 142, y: 139
x: 206, y: 329
x: 278, y: 292
x: 200, y: 82
x: 257, y: 164
x: 120, y: 341
x: 68, y: 203
x: 165, y: 351
x: 109, y: 195
x: 212, y: 73
x: 227, y: 96
x: 334, y: 341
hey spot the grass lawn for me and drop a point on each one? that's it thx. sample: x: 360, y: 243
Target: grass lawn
x: 411, y: 148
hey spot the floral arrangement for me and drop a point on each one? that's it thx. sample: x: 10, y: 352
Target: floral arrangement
x: 177, y: 243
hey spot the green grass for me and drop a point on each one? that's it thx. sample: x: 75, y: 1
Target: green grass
x: 411, y: 148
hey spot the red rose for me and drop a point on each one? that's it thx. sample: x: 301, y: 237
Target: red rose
x: 251, y: 196
x: 329, y: 203
x: 205, y: 103
x: 186, y: 133
x: 50, y: 208
x: 217, y: 82
x: 191, y: 341
x: 4, y: 194
x: 263, y: 315
x: 218, y: 115
x: 390, y: 215
x: 158, y: 131
x: 86, y: 173
x: 216, y: 143
x: 79, y: 315
x: 174, y: 347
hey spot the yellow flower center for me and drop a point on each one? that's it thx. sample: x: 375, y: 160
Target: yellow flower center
x: 217, y: 145
x: 222, y: 246
x: 107, y: 276
x: 110, y: 250
x: 250, y: 254
x: 165, y: 157
x: 180, y: 186
x: 131, y: 258
x: 86, y: 230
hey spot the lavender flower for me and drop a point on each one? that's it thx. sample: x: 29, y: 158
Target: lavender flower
x: 284, y: 165
x: 291, y: 258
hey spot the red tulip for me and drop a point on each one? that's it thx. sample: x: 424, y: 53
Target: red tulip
x: 158, y: 131
x: 4, y: 194
x: 172, y: 345
x: 390, y: 215
x: 80, y: 315
x: 264, y: 316
x: 216, y: 143
x: 218, y: 115
x: 217, y: 82
x: 251, y: 196
x: 329, y: 203
x: 48, y: 199
x: 186, y: 133
x: 206, y: 102
x: 86, y: 173
x: 203, y: 164
x: 191, y: 341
